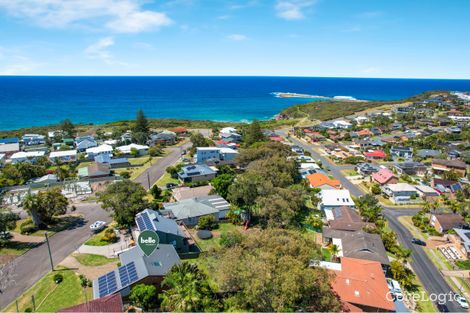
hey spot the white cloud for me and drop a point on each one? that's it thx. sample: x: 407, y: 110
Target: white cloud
x: 99, y: 50
x: 371, y: 70
x: 118, y: 15
x: 16, y: 64
x: 237, y: 37
x: 293, y: 9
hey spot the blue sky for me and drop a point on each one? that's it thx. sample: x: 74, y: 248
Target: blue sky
x: 342, y: 38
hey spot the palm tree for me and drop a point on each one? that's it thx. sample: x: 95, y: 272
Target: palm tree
x: 30, y: 205
x: 187, y: 289
x: 334, y: 250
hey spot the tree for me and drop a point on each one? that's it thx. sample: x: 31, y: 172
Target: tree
x: 221, y: 184
x: 451, y: 175
x: 402, y: 274
x: 269, y: 271
x: 253, y: 134
x: 125, y: 199
x: 369, y: 208
x: 67, y: 127
x: 186, y: 289
x: 207, y: 222
x: 7, y: 222
x: 141, y: 123
x: 155, y: 151
x: 44, y: 205
x: 375, y: 189
x: 144, y: 296
x: 334, y: 250
x: 156, y: 192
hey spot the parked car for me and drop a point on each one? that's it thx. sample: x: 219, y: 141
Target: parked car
x: 442, y: 308
x: 396, y: 290
x: 97, y: 226
x: 170, y: 186
x: 5, y: 235
x: 461, y: 301
x: 419, y: 242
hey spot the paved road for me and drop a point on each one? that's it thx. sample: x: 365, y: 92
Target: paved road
x: 424, y: 268
x: 35, y: 263
x: 150, y: 176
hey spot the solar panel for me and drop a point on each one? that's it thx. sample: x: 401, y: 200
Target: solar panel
x: 140, y: 223
x: 123, y: 276
x: 127, y: 274
x: 107, y: 284
x: 147, y: 222
x: 132, y: 272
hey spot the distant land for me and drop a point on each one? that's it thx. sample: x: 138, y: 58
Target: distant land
x: 39, y: 101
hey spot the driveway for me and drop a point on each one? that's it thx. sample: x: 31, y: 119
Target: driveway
x: 424, y: 268
x: 150, y: 176
x: 34, y: 264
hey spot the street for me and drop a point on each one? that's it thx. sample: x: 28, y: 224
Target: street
x: 428, y: 274
x: 34, y: 264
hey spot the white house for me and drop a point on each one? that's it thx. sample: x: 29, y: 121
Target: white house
x: 228, y: 130
x: 84, y: 143
x: 141, y: 149
x: 9, y: 145
x: 63, y: 156
x: 331, y: 199
x: 23, y: 156
x: 342, y: 124
x: 400, y: 193
x: 102, y: 149
x: 361, y: 119
x: 215, y: 155
x: 33, y: 139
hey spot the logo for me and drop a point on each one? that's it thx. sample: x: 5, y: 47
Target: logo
x: 148, y: 241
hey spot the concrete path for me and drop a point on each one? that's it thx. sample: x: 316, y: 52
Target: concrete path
x: 108, y: 251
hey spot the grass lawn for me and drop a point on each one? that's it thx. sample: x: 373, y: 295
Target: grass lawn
x: 49, y: 296
x: 166, y: 179
x: 142, y: 163
x: 408, y: 223
x: 15, y: 248
x: 93, y: 259
x: 61, y: 223
x: 465, y: 265
x: 139, y: 160
x: 349, y: 172
x: 326, y: 254
x: 425, y: 305
x: 84, y: 164
x: 213, y: 243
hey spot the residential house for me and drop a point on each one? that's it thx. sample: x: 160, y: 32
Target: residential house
x: 226, y: 144
x: 428, y: 153
x: 33, y: 139
x: 306, y: 169
x: 462, y: 240
x: 95, y: 170
x: 215, y: 155
x: 375, y: 155
x: 440, y: 166
x: 108, y: 304
x: 136, y: 268
x: 426, y: 192
x: 330, y: 199
x: 401, y: 152
x: 164, y: 137
x: 400, y: 192
x: 126, y: 137
x: 196, y: 172
x: 411, y: 168
x: 341, y: 124
x: 190, y: 210
x: 101, y: 149
x: 323, y: 182
x: 30, y: 156
x: 446, y: 221
x: 45, y: 180
x: 376, y: 131
x: 364, y: 133
x: 357, y: 244
x: 63, y: 156
x: 230, y: 137
x: 182, y: 193
x: 113, y: 162
x: 361, y: 119
x: 133, y: 147
x: 85, y: 142
x: 179, y: 131
x: 345, y: 218
x: 446, y: 186
x: 384, y: 176
x: 9, y: 145
x: 228, y: 130
x: 168, y: 231
x: 397, y: 126
x: 366, y: 169
x: 360, y: 285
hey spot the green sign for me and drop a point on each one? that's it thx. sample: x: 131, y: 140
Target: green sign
x: 148, y: 241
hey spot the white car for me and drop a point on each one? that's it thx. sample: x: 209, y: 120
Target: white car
x: 97, y: 226
x: 461, y: 301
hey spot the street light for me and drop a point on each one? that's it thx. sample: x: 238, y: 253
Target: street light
x: 49, y: 249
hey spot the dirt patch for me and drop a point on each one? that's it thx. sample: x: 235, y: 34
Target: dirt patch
x: 23, y: 238
x: 6, y: 258
x: 91, y: 272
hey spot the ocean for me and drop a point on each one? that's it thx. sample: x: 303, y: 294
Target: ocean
x: 36, y: 101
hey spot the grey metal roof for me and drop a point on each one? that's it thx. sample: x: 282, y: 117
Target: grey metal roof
x: 198, y: 206
x: 195, y: 170
x: 161, y: 223
x: 359, y: 245
x: 157, y: 264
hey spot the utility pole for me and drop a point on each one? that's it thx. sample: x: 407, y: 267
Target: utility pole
x: 49, y: 249
x: 148, y: 179
x: 34, y: 303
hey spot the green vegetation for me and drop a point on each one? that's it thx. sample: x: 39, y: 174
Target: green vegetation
x: 102, y: 238
x: 49, y: 296
x: 15, y: 247
x: 93, y: 259
x: 167, y: 179
x: 465, y: 265
x: 143, y: 296
x: 44, y: 205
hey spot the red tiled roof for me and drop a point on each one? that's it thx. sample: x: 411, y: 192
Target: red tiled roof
x: 383, y: 176
x: 362, y: 283
x: 317, y: 179
x: 375, y: 154
x: 276, y: 138
x: 108, y: 304
x: 178, y: 130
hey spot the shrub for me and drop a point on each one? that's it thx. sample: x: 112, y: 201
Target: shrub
x: 84, y: 282
x: 230, y: 239
x: 375, y: 189
x: 207, y: 222
x: 110, y: 235
x: 125, y: 175
x: 58, y: 278
x: 27, y: 227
